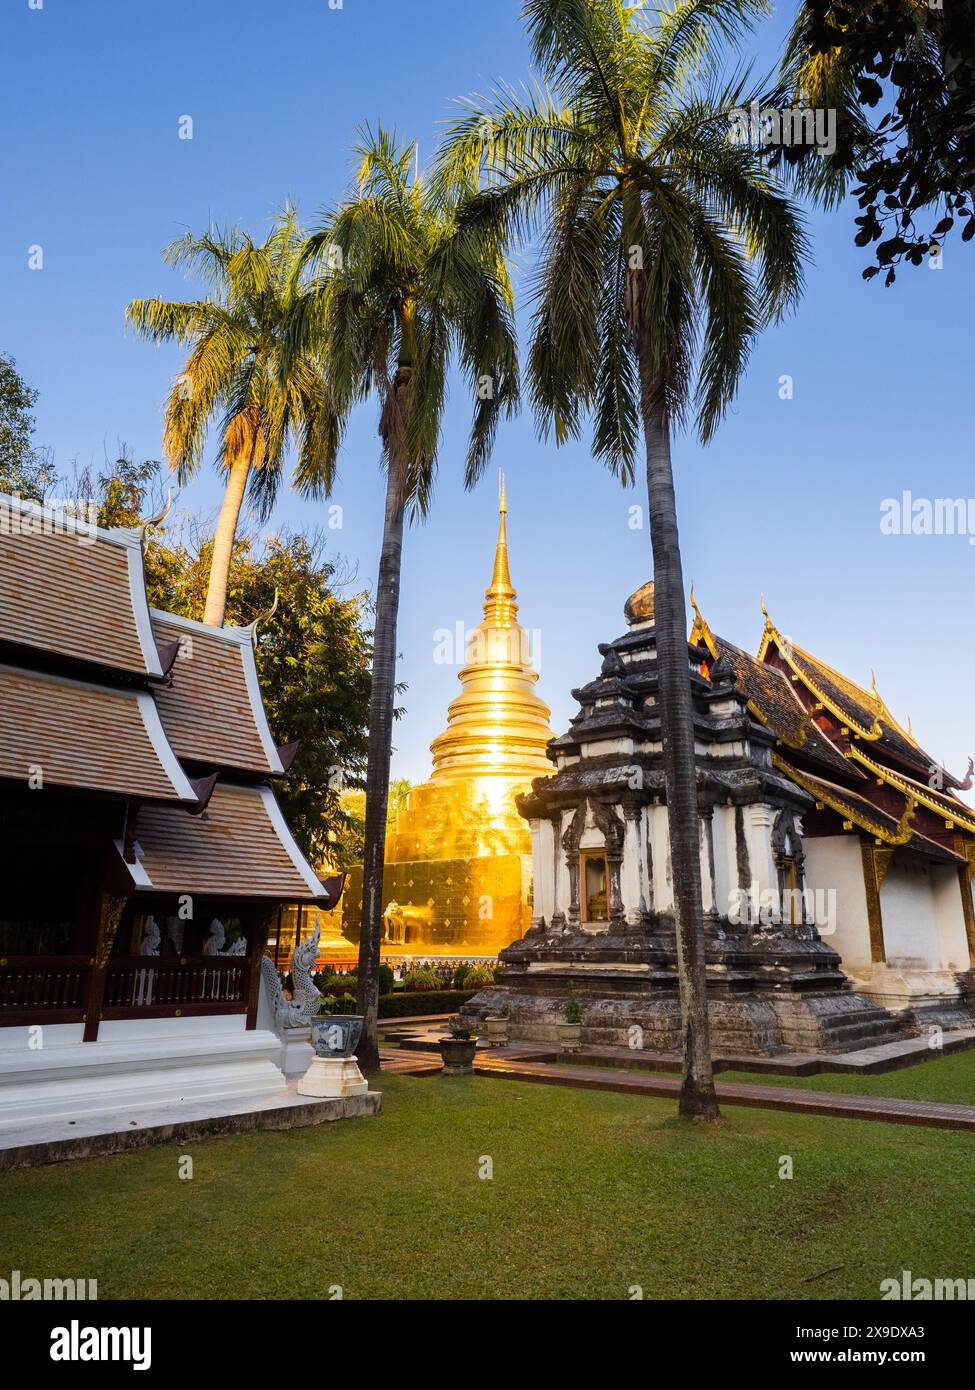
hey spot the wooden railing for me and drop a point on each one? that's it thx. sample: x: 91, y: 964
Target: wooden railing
x: 43, y: 989
x: 170, y: 986
x: 54, y: 989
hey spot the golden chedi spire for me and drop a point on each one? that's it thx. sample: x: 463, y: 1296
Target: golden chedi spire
x: 497, y: 726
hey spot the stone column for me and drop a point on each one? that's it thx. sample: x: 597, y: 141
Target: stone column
x: 559, y: 882
x: 631, y: 886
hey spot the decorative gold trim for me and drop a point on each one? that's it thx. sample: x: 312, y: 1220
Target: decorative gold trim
x: 875, y: 862
x: 950, y: 813
x: 772, y: 634
x: 966, y: 871
x: 847, y: 810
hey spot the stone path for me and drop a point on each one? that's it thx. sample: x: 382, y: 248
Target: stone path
x: 501, y: 1062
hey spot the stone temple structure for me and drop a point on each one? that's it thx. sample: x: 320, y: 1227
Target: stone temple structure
x: 458, y: 862
x: 602, y: 921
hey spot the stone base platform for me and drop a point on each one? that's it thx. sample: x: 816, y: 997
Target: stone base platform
x: 769, y: 992
x: 56, y: 1140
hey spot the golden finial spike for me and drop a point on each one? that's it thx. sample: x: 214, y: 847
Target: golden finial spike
x: 910, y: 727
x: 501, y: 590
x: 764, y: 609
x: 873, y: 683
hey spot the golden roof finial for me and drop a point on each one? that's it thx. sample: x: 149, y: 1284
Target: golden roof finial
x: 501, y: 594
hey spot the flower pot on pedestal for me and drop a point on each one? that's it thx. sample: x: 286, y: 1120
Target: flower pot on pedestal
x: 497, y: 1030
x: 334, y: 1070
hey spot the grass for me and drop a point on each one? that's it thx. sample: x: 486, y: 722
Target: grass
x: 592, y: 1193
x: 950, y: 1080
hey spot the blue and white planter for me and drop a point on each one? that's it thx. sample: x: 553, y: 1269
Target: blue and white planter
x: 336, y: 1035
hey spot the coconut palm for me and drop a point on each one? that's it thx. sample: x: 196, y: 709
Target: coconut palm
x: 664, y: 248
x: 233, y: 374
x: 400, y: 293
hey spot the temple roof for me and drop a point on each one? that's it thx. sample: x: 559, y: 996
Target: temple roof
x: 865, y: 815
x: 772, y: 700
x: 212, y: 711
x: 84, y: 707
x: 87, y: 737
x: 864, y: 712
x: 240, y: 848
x: 72, y: 590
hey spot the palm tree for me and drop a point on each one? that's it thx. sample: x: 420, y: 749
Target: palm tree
x: 400, y: 292
x: 234, y: 372
x: 664, y: 248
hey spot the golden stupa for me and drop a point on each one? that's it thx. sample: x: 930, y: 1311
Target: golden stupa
x: 458, y: 861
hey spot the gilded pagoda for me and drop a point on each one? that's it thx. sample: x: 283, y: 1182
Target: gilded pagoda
x: 458, y: 860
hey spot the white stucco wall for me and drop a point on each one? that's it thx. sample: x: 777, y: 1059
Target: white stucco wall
x: 833, y: 862
x: 949, y: 914
x: 907, y: 904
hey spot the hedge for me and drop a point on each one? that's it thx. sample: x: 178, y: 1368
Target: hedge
x: 428, y: 1001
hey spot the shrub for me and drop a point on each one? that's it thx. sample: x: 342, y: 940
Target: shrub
x: 386, y: 979
x: 478, y: 976
x: 463, y: 1032
x: 403, y: 1005
x: 422, y: 978
x: 337, y: 1004
x: 573, y: 1008
x: 460, y: 976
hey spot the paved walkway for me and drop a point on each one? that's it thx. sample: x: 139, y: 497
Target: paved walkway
x: 500, y: 1062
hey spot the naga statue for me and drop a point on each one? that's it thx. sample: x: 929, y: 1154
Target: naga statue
x: 295, y: 1012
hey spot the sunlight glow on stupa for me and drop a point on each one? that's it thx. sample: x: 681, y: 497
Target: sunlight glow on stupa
x: 458, y: 862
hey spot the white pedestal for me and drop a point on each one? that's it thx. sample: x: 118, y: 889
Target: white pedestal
x: 333, y: 1076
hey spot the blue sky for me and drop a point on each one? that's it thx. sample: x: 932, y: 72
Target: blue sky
x: 786, y: 500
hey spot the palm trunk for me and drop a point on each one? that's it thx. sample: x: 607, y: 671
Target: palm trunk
x: 697, y: 1096
x: 223, y: 537
x: 381, y: 706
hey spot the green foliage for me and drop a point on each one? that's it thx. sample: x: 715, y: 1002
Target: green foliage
x: 337, y: 1004
x: 238, y: 337
x: 663, y: 246
x: 387, y: 980
x: 339, y: 984
x: 460, y: 976
x: 407, y: 1005
x: 421, y: 979
x: 23, y: 470
x: 478, y: 976
x: 400, y: 288
x: 462, y: 1032
x: 573, y: 1007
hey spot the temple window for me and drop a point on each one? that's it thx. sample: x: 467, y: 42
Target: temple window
x: 594, y: 885
x: 791, y: 900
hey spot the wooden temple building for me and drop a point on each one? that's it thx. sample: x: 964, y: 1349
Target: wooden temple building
x: 144, y: 852
x: 836, y: 861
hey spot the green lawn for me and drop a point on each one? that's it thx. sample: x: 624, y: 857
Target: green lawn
x: 948, y: 1079
x: 592, y: 1193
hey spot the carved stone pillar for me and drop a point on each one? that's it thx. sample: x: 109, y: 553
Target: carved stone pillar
x: 634, y: 901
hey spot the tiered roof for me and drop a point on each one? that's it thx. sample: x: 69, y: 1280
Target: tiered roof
x: 164, y: 715
x: 841, y: 744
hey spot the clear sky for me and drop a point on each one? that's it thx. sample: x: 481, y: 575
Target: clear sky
x: 786, y: 501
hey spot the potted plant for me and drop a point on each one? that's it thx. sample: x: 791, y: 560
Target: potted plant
x: 570, y: 1032
x: 497, y: 1027
x: 335, y: 1035
x: 458, y: 1049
